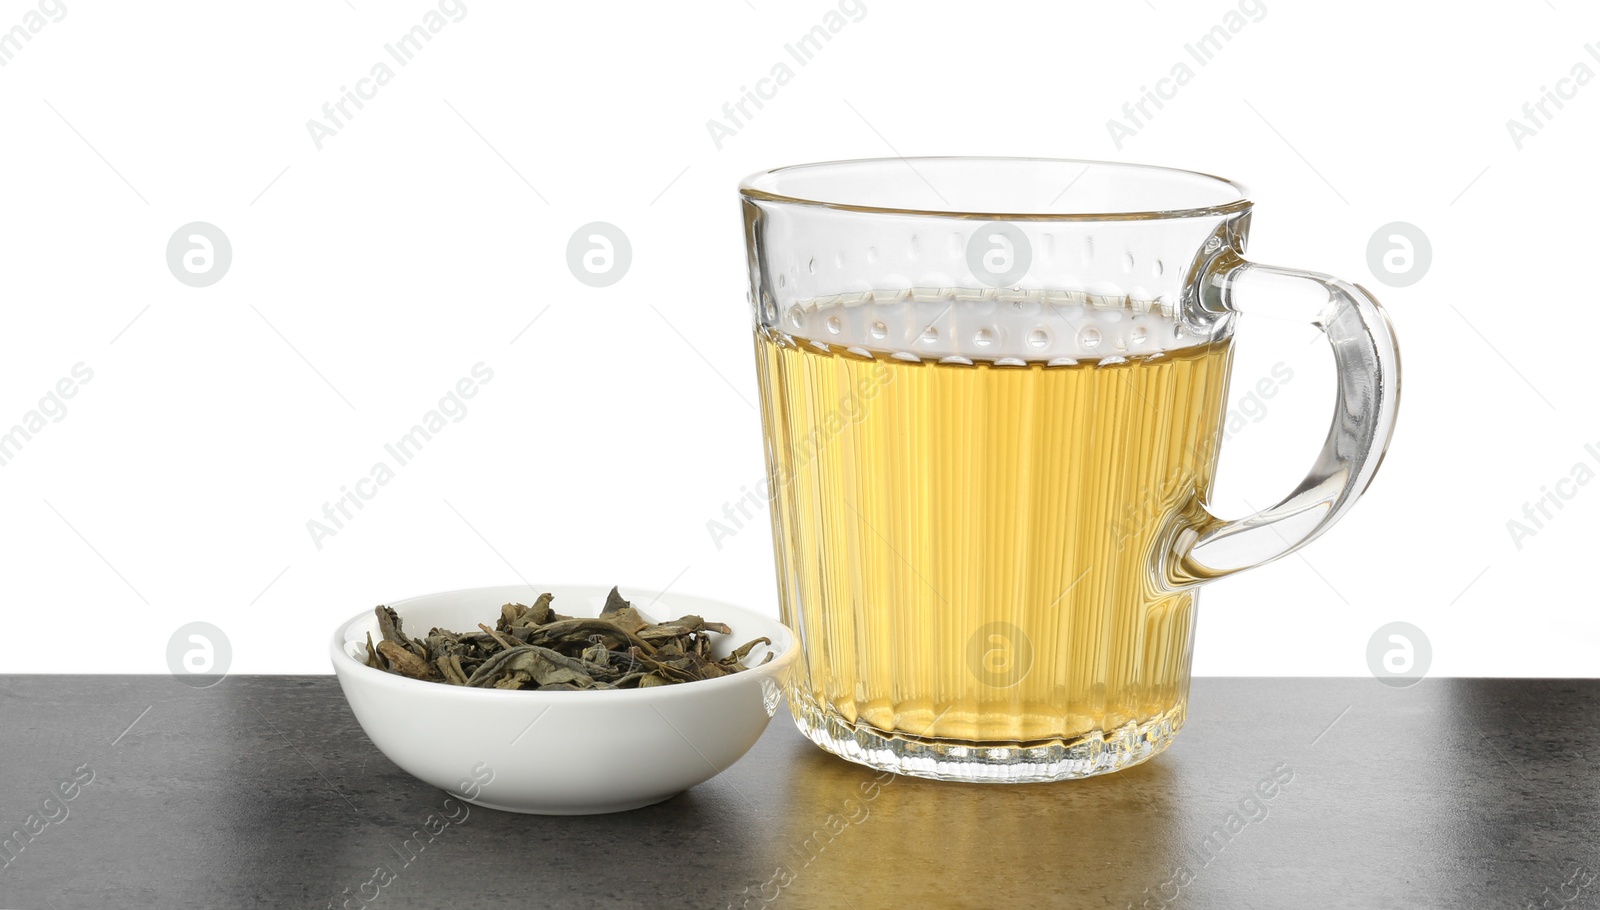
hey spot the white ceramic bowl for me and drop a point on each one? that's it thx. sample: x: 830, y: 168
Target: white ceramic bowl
x: 563, y: 753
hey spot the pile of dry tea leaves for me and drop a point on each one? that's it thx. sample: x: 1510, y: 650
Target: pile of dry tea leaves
x: 538, y: 648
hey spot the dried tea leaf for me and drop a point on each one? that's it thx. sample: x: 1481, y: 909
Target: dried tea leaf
x: 404, y: 662
x: 572, y: 631
x: 541, y: 611
x: 597, y: 652
x: 517, y: 616
x: 542, y: 665
x: 743, y: 651
x: 671, y: 669
x: 702, y: 668
x: 622, y: 614
x: 534, y: 647
x: 450, y: 668
x: 628, y: 619
x: 389, y: 625
x: 501, y: 640
x: 614, y: 602
x: 677, y: 628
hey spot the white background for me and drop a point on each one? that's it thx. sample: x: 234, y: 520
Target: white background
x: 425, y: 236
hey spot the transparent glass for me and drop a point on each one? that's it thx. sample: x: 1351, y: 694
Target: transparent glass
x: 992, y: 394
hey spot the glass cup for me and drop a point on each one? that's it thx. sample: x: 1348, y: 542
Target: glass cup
x: 992, y: 392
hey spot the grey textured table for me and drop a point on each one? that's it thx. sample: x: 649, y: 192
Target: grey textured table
x: 263, y: 792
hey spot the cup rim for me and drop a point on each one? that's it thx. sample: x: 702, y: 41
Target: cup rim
x: 347, y: 662
x: 750, y: 188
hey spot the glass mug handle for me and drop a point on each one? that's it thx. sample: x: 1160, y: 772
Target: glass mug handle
x: 1368, y: 364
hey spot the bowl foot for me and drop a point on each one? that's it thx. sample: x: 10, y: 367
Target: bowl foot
x: 587, y: 809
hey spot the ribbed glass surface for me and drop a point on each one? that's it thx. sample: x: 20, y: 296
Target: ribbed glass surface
x: 966, y: 548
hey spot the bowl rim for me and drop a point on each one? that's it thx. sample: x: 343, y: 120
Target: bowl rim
x: 781, y: 659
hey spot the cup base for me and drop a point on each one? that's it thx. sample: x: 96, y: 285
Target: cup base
x: 1099, y: 752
